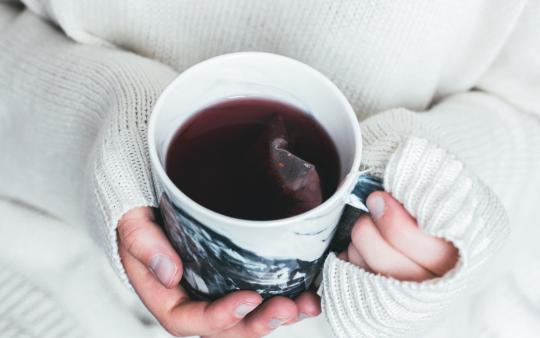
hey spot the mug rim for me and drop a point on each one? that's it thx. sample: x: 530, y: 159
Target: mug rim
x: 343, y: 188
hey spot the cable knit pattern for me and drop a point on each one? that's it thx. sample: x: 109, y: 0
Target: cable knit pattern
x: 464, y: 141
x: 447, y: 202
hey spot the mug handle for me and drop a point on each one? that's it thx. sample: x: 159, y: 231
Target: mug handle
x: 355, y: 207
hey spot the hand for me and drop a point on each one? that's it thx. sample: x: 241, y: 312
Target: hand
x: 391, y: 244
x: 155, y: 270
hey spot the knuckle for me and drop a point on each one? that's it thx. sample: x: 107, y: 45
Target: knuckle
x: 221, y: 321
x: 361, y: 228
x: 172, y: 330
x: 218, y: 319
x: 169, y: 323
x: 129, y: 234
x: 290, y: 307
x: 215, y: 327
x: 392, y: 225
x: 258, y: 330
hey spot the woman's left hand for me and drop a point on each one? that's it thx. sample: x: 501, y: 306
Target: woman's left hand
x: 389, y: 242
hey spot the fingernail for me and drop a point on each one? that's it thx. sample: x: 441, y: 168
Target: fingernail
x: 376, y: 206
x: 243, y: 309
x: 302, y: 316
x: 163, y: 268
x: 276, y: 322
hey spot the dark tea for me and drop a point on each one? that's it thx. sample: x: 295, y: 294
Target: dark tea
x: 254, y: 159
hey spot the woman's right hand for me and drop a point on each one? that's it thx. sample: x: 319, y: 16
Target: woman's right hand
x: 155, y: 270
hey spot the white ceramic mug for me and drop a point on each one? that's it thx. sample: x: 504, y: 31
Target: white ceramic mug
x: 220, y: 253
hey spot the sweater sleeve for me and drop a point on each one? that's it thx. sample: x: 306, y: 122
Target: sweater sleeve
x: 73, y: 125
x: 459, y: 169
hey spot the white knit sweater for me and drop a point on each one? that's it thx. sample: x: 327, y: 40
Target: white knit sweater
x: 447, y: 92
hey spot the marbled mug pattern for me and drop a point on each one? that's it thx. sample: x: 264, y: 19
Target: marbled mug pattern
x: 214, y: 265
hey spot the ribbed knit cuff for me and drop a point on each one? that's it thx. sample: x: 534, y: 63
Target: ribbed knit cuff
x: 447, y: 202
x: 119, y: 169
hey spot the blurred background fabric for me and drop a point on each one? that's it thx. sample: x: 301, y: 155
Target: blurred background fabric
x: 55, y: 282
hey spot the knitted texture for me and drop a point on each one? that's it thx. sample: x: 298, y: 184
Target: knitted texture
x: 84, y: 156
x: 73, y: 116
x: 448, y: 203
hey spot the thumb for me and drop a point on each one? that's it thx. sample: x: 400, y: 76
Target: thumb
x: 142, y: 238
x: 402, y: 232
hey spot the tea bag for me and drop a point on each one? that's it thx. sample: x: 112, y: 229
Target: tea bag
x: 294, y: 182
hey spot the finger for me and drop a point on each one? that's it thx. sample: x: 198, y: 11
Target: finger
x: 344, y: 255
x: 355, y: 257
x: 352, y: 256
x: 401, y: 231
x: 180, y: 316
x: 308, y: 304
x: 272, y: 314
x: 145, y: 241
x: 381, y: 257
x: 203, y: 318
